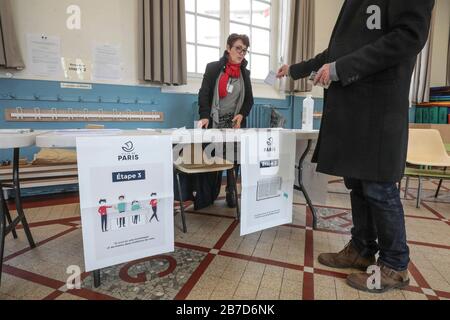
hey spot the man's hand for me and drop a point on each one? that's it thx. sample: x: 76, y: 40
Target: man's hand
x: 237, y: 121
x: 203, y: 124
x: 323, y: 76
x: 283, y: 71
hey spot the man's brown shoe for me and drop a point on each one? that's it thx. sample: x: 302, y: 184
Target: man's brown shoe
x: 389, y: 279
x: 347, y: 258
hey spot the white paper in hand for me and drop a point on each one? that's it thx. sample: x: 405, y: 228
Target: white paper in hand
x: 271, y: 78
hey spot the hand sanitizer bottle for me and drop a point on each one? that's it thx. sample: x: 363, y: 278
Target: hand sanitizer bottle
x: 308, y: 114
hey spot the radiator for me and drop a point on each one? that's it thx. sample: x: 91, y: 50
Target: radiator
x: 259, y: 116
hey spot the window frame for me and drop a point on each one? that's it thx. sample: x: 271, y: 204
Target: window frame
x: 224, y: 22
x: 196, y: 43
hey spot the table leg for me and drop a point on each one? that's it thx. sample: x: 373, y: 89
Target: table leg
x: 302, y: 188
x: 183, y: 216
x: 234, y: 172
x: 18, y: 199
x: 97, y: 281
x: 7, y: 214
x: 438, y: 189
x: 2, y: 232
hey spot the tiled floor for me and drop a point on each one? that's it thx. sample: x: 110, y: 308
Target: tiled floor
x: 212, y: 261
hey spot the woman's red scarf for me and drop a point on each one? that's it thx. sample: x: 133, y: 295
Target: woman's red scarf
x: 231, y: 70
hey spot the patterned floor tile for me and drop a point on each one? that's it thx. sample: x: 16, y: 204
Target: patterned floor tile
x: 143, y: 281
x: 212, y: 261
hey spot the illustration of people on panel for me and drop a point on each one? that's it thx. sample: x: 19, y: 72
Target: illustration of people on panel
x: 136, y: 206
x: 103, y: 211
x: 154, y: 205
x: 121, y: 208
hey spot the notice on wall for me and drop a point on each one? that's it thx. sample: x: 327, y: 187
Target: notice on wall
x: 107, y: 63
x: 78, y: 86
x: 267, y: 162
x: 76, y: 69
x: 44, y: 55
x: 126, y: 198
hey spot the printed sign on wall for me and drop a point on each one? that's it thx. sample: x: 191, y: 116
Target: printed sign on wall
x: 126, y: 198
x: 267, y: 161
x: 44, y: 55
x: 76, y: 69
x: 107, y: 62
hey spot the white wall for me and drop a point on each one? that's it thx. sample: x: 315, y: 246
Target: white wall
x: 104, y: 21
x: 116, y: 22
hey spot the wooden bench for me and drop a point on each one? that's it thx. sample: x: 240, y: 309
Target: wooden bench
x: 34, y: 176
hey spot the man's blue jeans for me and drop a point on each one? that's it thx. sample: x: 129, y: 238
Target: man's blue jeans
x: 378, y: 215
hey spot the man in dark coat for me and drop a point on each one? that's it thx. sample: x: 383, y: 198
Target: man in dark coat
x: 364, y: 131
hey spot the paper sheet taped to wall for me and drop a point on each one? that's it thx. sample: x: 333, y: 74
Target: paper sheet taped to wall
x: 44, y: 55
x: 107, y: 63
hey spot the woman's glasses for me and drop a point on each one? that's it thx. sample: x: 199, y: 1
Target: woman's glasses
x: 241, y: 50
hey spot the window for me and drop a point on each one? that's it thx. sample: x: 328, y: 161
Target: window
x: 202, y: 33
x: 209, y: 22
x: 253, y: 18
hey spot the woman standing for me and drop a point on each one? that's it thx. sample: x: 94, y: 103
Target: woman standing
x: 226, y: 96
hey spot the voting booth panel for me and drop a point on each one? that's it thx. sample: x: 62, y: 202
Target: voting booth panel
x: 126, y: 198
x: 267, y: 159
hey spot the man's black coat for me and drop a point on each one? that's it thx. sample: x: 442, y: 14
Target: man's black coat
x: 364, y: 131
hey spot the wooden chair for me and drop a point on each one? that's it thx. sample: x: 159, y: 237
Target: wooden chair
x: 216, y: 164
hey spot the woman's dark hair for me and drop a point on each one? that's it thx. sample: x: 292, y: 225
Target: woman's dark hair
x: 235, y: 37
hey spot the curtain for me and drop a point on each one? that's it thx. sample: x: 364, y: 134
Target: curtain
x: 301, y: 38
x: 10, y: 56
x: 420, y: 84
x: 162, y: 52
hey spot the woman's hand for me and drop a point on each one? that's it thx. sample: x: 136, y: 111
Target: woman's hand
x: 203, y: 124
x: 237, y: 121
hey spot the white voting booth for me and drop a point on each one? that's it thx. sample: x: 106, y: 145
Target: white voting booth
x: 267, y: 161
x: 126, y: 198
